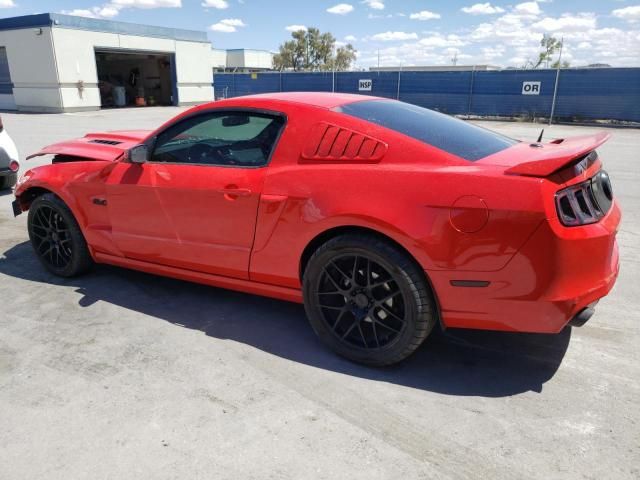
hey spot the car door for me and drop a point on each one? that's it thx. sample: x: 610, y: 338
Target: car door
x: 193, y: 204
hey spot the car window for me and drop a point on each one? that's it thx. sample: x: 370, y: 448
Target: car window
x: 241, y: 139
x: 447, y: 133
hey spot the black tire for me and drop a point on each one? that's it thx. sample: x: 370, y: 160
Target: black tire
x: 8, y: 181
x: 394, y: 286
x: 56, y: 237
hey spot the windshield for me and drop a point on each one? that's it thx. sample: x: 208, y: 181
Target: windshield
x: 447, y: 133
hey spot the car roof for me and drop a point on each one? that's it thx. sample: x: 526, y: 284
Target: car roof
x: 316, y: 99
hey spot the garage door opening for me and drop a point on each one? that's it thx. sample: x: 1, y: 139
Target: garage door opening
x: 135, y: 79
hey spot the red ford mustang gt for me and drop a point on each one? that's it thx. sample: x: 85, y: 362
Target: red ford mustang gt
x: 382, y: 217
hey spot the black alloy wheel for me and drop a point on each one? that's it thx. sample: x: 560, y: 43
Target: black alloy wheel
x: 51, y: 237
x: 367, y: 300
x: 361, y: 302
x: 56, y: 237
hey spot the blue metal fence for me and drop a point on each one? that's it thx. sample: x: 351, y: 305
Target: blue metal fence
x: 583, y: 94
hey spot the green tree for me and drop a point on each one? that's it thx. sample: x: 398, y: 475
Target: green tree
x: 550, y: 46
x: 312, y: 50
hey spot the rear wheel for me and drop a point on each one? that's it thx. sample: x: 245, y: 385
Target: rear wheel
x: 8, y: 181
x: 56, y: 237
x: 367, y: 300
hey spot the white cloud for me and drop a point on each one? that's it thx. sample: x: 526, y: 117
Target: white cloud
x: 350, y: 38
x: 7, y: 4
x: 410, y: 54
x: 108, y: 11
x: 341, y: 9
x: 566, y: 23
x: 442, y: 41
x: 112, y: 9
x: 82, y: 12
x: 630, y: 14
x: 219, y: 4
x: 146, y: 3
x: 424, y: 15
x: 394, y: 36
x: 528, y: 8
x: 374, y: 4
x: 295, y: 28
x: 228, y: 25
x: 510, y: 28
x: 104, y: 12
x: 482, y: 9
x: 512, y: 38
x: 493, y: 53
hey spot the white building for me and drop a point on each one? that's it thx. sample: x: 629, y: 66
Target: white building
x: 245, y: 60
x: 242, y: 60
x: 59, y: 63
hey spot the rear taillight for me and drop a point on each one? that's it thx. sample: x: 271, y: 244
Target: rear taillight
x: 585, y: 202
x: 14, y: 166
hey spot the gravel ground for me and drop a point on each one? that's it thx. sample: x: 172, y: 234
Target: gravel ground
x: 122, y: 375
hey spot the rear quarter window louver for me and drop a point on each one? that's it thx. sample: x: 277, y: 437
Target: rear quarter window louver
x: 329, y: 143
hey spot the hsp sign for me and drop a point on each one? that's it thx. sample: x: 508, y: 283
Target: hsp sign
x: 365, y: 85
x: 531, y: 88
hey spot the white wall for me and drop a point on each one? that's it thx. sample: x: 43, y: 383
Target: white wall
x: 235, y: 58
x: 75, y: 57
x: 33, y: 69
x: 76, y: 62
x: 56, y: 70
x: 194, y: 72
x: 72, y: 52
x: 218, y: 58
x: 249, y: 59
x: 258, y: 59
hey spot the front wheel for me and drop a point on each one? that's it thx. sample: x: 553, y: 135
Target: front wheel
x: 367, y: 300
x: 56, y: 237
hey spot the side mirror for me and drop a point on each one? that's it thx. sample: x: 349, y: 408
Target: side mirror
x: 139, y: 154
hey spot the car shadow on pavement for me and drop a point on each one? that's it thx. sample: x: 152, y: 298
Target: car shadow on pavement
x: 455, y: 362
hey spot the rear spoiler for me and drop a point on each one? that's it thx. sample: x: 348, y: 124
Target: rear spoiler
x: 558, y: 154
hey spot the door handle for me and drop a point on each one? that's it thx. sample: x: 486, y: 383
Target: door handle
x: 235, y: 192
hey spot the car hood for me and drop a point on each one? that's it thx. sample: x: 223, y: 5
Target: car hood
x: 544, y: 159
x: 107, y: 146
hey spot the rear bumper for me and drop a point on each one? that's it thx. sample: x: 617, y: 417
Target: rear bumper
x: 558, y: 273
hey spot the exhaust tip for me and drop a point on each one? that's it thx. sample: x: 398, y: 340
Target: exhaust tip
x: 582, y: 317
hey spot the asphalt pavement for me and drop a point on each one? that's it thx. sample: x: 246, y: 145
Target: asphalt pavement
x: 123, y: 375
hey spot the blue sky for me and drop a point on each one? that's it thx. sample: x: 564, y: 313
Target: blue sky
x: 408, y: 32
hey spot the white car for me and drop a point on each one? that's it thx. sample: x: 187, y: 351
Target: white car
x: 9, y: 163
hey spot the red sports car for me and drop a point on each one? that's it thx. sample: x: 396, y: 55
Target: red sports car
x: 384, y: 218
